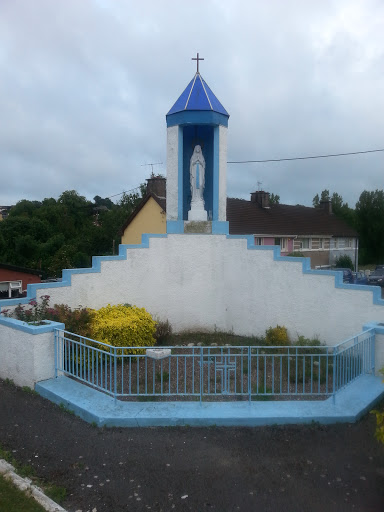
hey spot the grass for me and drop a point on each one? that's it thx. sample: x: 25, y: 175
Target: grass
x: 165, y: 376
x: 55, y: 492
x: 260, y: 397
x: 14, y: 500
x: 29, y: 390
x: 65, y: 409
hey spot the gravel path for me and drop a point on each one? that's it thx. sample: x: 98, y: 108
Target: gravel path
x: 297, y: 468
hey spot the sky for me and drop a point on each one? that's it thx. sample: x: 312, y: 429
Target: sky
x: 86, y: 84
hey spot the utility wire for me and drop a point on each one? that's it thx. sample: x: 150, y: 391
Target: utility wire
x: 276, y: 160
x: 304, y: 157
x: 124, y: 192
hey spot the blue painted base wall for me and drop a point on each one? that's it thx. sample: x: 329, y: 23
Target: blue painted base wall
x: 93, y: 406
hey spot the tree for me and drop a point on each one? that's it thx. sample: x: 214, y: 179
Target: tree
x: 344, y: 261
x: 56, y: 234
x: 370, y: 225
x: 99, y: 201
x: 324, y: 197
x: 339, y: 208
x: 274, y: 199
x: 316, y: 201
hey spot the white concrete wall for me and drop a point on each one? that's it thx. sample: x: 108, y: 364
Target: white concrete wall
x: 172, y: 171
x: 26, y: 358
x: 208, y: 281
x: 223, y: 173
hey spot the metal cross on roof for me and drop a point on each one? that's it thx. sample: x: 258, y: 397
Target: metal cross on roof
x: 197, y: 58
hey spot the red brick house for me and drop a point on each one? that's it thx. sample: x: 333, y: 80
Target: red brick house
x: 14, y: 280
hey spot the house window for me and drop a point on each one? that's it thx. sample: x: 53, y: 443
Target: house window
x: 282, y: 242
x: 305, y: 243
x: 348, y: 243
x: 259, y: 241
x: 321, y: 245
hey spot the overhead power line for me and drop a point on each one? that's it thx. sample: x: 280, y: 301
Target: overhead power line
x: 312, y: 157
x: 304, y: 157
x: 124, y: 192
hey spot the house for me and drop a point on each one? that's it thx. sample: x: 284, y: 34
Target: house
x: 313, y: 232
x: 4, y: 210
x: 14, y: 280
x: 149, y: 215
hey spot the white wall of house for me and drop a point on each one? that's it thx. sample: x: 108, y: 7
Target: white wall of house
x: 206, y: 282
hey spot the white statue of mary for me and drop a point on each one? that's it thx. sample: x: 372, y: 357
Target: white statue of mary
x: 197, y: 179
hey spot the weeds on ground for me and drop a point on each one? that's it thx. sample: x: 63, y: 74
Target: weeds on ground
x: 65, y: 409
x: 13, y: 499
x: 29, y: 390
x: 56, y: 493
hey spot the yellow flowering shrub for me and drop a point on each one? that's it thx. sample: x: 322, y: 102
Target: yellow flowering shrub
x: 123, y: 326
x: 276, y: 336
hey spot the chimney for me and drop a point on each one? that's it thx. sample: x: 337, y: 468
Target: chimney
x: 261, y: 198
x: 156, y: 185
x: 326, y: 205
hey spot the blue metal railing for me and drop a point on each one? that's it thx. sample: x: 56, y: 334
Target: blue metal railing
x: 211, y: 372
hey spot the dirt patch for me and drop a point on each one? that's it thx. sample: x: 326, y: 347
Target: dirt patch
x: 293, y: 468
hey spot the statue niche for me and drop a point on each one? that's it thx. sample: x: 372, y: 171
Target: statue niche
x: 197, y: 180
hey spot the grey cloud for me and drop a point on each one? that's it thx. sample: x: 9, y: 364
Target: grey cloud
x: 86, y: 86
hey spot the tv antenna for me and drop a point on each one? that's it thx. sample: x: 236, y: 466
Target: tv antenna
x: 152, y: 164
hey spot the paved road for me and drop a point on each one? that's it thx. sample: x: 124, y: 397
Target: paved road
x: 298, y: 468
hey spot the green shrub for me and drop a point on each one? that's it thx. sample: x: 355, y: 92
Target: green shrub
x: 277, y: 336
x: 344, y: 261
x: 163, y: 332
x: 76, y: 320
x: 296, y: 254
x: 123, y: 326
x: 302, y: 341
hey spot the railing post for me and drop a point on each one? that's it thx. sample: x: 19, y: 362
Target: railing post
x: 373, y: 348
x: 249, y: 376
x: 334, y: 374
x: 201, y: 375
x: 56, y: 350
x: 115, y: 384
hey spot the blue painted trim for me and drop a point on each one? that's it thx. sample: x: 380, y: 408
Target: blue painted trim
x: 180, y: 183
x: 197, y: 117
x: 216, y: 172
x: 175, y: 227
x: 379, y: 329
x: 220, y: 227
x: 48, y: 326
x: 306, y: 266
x: 94, y: 406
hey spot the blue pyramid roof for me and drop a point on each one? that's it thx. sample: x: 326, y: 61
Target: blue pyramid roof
x: 198, y: 96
